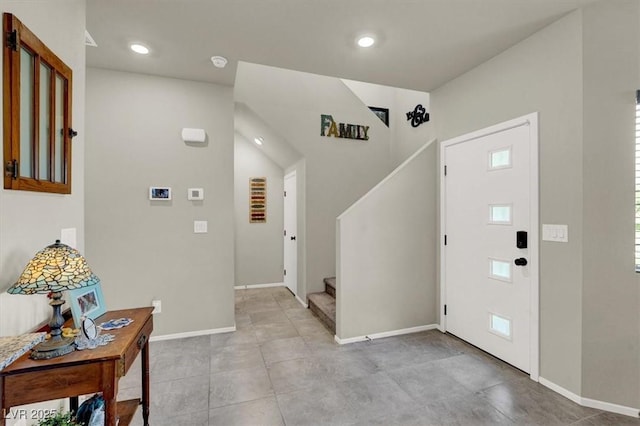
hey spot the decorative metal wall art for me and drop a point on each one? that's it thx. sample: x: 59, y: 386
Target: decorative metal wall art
x: 418, y: 116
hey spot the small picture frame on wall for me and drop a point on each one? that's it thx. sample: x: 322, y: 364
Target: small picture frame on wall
x: 159, y: 193
x: 86, y: 302
x: 258, y: 200
x: 382, y: 113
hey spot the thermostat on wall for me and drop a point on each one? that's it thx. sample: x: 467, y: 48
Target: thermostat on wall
x: 195, y: 194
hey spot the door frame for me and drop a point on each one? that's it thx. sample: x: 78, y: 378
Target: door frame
x: 290, y: 175
x: 530, y: 120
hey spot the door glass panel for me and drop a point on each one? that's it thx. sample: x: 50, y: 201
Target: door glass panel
x: 59, y: 131
x: 500, y: 214
x: 500, y: 159
x: 45, y: 125
x: 500, y: 325
x: 26, y: 113
x: 500, y: 269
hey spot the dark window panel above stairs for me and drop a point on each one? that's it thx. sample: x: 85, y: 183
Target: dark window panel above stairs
x: 323, y: 304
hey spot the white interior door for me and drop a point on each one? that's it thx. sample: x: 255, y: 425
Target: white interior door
x: 490, y: 279
x: 290, y: 234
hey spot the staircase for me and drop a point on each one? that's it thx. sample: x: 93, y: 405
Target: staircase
x: 323, y: 305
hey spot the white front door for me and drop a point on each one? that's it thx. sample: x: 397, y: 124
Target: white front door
x: 490, y: 226
x: 290, y: 234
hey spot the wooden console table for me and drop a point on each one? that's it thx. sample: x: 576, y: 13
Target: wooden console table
x: 84, y: 372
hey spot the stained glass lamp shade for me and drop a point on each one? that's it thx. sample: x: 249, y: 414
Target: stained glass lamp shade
x: 52, y: 270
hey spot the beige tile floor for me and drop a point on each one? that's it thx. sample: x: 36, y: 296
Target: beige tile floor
x: 282, y: 367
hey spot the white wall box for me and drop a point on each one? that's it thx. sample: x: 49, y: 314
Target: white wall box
x: 194, y: 194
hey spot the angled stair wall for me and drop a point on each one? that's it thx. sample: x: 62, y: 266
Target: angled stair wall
x: 387, y: 251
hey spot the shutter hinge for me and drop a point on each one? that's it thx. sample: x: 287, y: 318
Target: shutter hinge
x: 445, y: 170
x: 445, y: 309
x: 445, y: 239
x: 11, y: 169
x: 12, y: 40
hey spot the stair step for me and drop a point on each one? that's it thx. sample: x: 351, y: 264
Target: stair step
x: 330, y: 286
x: 324, y: 307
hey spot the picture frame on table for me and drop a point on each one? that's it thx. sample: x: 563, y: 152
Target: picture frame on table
x: 86, y: 302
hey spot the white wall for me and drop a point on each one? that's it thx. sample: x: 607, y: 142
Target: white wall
x: 387, y: 245
x: 580, y: 74
x: 543, y: 73
x: 405, y: 139
x: 337, y: 171
x: 259, y: 247
x: 30, y: 221
x: 610, y: 332
x: 143, y: 249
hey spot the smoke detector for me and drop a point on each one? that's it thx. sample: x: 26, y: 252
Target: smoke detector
x: 219, y: 61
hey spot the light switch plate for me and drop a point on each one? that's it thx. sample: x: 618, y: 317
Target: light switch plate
x: 200, y: 226
x: 555, y: 233
x: 195, y: 194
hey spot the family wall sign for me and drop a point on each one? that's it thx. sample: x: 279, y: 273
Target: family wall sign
x: 329, y: 127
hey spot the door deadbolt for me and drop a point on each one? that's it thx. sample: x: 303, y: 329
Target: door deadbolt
x: 520, y: 261
x: 521, y: 239
x: 293, y: 238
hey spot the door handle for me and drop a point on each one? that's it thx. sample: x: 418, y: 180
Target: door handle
x: 293, y: 238
x: 520, y: 261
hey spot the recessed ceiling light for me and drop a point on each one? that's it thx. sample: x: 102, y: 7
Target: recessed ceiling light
x: 258, y: 140
x: 366, y: 41
x: 139, y: 48
x: 219, y: 61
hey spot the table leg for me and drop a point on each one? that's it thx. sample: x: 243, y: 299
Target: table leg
x: 3, y: 410
x: 145, y: 383
x: 73, y: 404
x: 110, y: 393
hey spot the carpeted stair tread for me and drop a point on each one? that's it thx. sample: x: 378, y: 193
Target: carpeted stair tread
x: 324, y: 307
x: 330, y: 286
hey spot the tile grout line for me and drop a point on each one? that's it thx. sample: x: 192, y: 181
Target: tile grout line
x: 275, y: 396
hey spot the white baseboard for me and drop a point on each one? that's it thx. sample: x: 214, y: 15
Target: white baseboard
x: 192, y: 334
x: 591, y: 403
x: 559, y: 389
x: 245, y: 287
x: 385, y: 334
x: 302, y: 302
